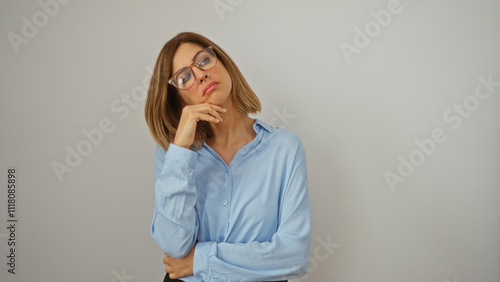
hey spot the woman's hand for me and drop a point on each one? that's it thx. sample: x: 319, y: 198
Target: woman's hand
x: 178, y: 268
x: 184, y: 137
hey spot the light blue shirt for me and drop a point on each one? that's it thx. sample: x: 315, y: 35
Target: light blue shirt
x: 252, y: 218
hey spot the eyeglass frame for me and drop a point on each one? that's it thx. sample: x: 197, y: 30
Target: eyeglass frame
x: 211, y: 50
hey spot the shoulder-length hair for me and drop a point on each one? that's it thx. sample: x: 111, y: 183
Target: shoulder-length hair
x: 164, y: 104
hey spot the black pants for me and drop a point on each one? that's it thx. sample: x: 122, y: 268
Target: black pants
x: 167, y: 278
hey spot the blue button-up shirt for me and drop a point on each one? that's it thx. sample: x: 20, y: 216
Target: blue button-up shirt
x: 252, y: 218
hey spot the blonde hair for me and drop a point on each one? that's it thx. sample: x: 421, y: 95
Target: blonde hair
x: 164, y: 104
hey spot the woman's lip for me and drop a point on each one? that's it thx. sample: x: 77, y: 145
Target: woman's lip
x: 211, y: 86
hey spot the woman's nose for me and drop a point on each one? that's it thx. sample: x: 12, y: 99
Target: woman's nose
x: 200, y: 74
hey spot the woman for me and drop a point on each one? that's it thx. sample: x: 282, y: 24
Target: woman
x: 231, y: 196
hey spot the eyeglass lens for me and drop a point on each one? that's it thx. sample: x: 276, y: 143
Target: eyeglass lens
x: 204, y: 60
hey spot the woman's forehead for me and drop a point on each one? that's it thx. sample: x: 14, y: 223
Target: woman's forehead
x: 183, y: 56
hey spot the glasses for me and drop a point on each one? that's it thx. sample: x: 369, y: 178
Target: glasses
x: 185, y: 77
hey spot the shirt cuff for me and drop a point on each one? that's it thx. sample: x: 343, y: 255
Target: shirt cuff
x: 201, y: 264
x: 181, y: 155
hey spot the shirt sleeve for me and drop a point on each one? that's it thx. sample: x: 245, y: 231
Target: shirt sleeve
x: 285, y: 256
x: 175, y: 222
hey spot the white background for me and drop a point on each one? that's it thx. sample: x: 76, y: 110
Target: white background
x: 356, y: 119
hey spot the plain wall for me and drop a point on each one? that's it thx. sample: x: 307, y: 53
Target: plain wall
x: 371, y: 97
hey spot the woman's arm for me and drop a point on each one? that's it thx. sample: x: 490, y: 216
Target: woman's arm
x: 175, y: 223
x: 285, y: 256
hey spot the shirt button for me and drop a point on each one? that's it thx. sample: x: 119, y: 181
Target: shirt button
x: 224, y: 203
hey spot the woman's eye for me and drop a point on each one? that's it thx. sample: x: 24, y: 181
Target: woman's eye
x: 204, y: 61
x: 183, y: 78
x: 186, y: 77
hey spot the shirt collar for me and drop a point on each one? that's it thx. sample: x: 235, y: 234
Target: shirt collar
x: 260, y: 123
x: 258, y: 126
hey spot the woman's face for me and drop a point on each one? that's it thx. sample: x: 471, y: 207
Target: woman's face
x: 214, y: 89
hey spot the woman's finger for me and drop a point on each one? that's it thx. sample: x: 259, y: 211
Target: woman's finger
x: 207, y: 107
x: 215, y: 114
x: 169, y: 269
x: 207, y: 117
x: 218, y: 108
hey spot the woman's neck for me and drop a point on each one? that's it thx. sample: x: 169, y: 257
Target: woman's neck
x: 235, y: 128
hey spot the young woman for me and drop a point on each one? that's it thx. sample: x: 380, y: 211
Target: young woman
x: 231, y: 196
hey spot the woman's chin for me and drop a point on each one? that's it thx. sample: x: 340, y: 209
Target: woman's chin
x: 216, y: 100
